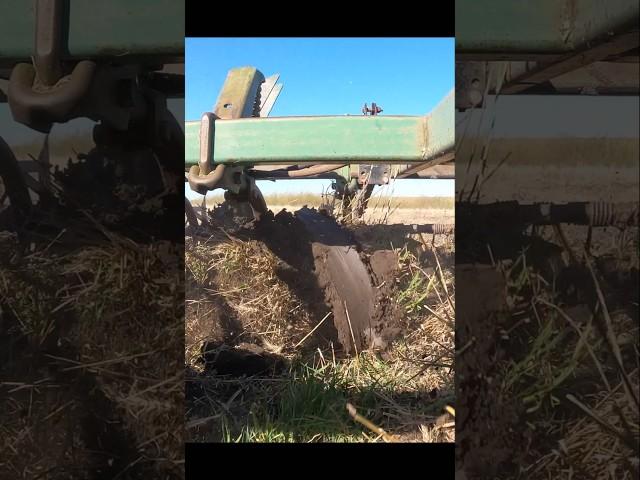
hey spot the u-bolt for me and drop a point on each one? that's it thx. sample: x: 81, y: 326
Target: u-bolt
x: 39, y: 109
x: 204, y: 183
x: 200, y: 177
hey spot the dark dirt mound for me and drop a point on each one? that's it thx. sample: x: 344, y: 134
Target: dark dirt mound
x: 326, y: 257
x: 243, y: 359
x: 343, y: 277
x: 484, y: 419
x: 520, y: 326
x: 271, y: 342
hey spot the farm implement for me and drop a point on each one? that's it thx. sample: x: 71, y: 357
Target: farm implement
x: 546, y: 115
x: 546, y: 223
x: 236, y: 144
x: 60, y: 61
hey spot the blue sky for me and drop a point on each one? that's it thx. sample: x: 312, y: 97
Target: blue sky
x: 330, y: 76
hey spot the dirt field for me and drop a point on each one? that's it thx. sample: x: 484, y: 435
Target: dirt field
x: 91, y: 346
x: 547, y: 370
x: 390, y: 210
x: 405, y: 216
x: 547, y: 377
x: 293, y: 319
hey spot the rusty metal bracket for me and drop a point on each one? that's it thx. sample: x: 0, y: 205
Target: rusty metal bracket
x: 240, y: 97
x: 45, y: 92
x: 374, y: 174
x: 200, y: 177
x: 115, y: 97
x: 204, y: 183
x: 470, y: 84
x: 207, y: 130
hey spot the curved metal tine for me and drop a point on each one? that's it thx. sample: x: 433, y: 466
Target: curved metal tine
x: 268, y: 104
x: 269, y: 92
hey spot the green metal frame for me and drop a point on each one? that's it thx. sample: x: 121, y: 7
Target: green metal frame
x: 506, y: 28
x: 233, y: 146
x: 327, y: 139
x: 149, y: 29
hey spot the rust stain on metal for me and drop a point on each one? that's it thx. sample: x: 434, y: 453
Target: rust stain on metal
x: 240, y: 96
x: 568, y: 23
x: 423, y: 136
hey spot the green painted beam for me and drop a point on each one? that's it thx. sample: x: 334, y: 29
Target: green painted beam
x: 329, y: 139
x: 510, y: 27
x: 440, y: 129
x: 145, y: 28
x: 299, y: 140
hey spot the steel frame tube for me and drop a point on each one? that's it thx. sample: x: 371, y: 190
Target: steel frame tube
x: 327, y: 140
x: 508, y: 30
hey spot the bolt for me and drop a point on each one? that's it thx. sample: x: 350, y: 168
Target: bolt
x: 374, y: 110
x: 475, y: 97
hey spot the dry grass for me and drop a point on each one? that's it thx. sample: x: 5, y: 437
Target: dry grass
x: 575, y: 394
x: 595, y: 442
x: 91, y: 351
x: 377, y: 201
x: 109, y: 312
x: 404, y: 391
x: 578, y: 392
x: 244, y: 275
x: 149, y: 392
x: 383, y: 208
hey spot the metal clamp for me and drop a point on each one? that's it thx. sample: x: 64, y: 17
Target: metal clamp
x: 374, y: 174
x: 470, y: 84
x: 374, y: 110
x: 207, y: 135
x: 200, y: 177
x: 204, y: 183
x: 240, y: 97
